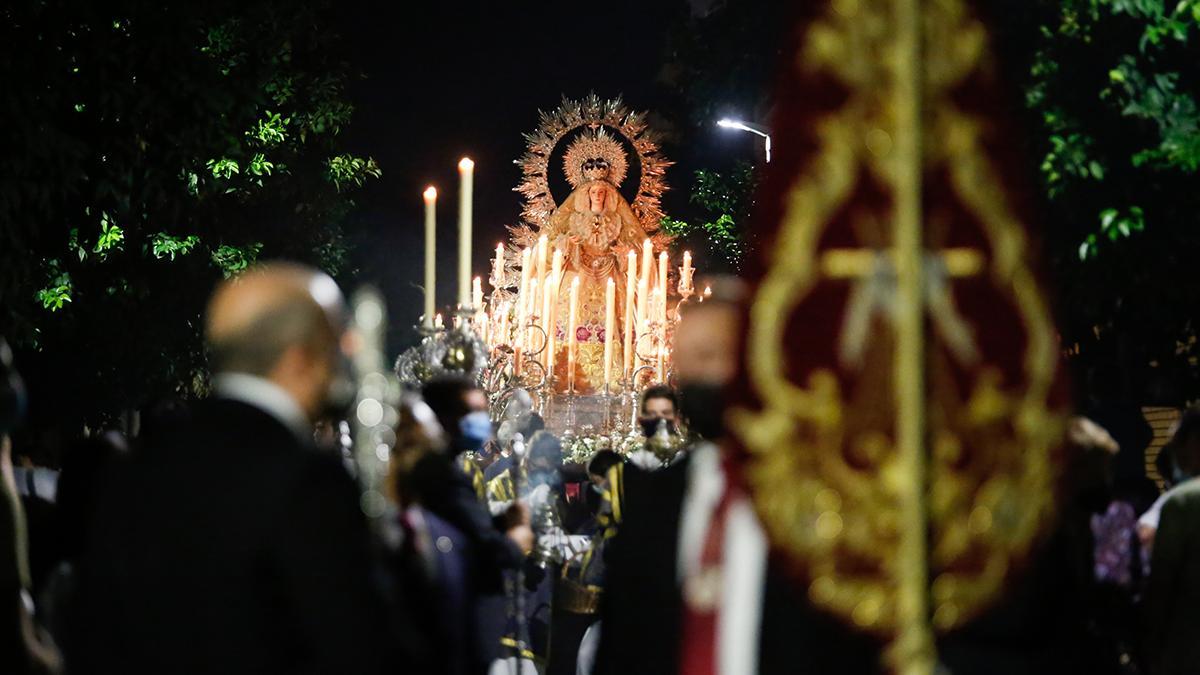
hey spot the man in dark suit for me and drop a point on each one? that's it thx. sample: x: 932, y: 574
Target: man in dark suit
x: 690, y: 587
x: 1173, y: 595
x: 232, y: 545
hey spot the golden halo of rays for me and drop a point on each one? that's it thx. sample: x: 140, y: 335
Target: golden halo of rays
x: 595, y: 114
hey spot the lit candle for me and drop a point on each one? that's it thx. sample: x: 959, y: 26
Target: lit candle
x: 466, y: 172
x: 572, y: 341
x: 533, y: 304
x: 548, y: 322
x: 430, y: 253
x: 522, y: 296
x: 662, y: 287
x: 525, y: 336
x: 630, y: 292
x: 556, y: 266
x: 685, y: 275
x: 610, y: 324
x: 643, y: 298
x: 542, y: 245
x: 502, y: 335
x: 437, y: 322
x: 477, y: 293
x: 643, y: 318
x: 659, y: 304
x: 498, y: 267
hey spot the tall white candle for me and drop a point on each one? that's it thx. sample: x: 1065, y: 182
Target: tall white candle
x: 643, y: 319
x: 477, y: 293
x: 522, y: 297
x: 630, y: 292
x: 663, y: 263
x: 660, y: 304
x: 430, y: 253
x: 572, y: 325
x: 466, y: 172
x: 548, y: 321
x: 498, y: 267
x: 542, y: 246
x: 643, y: 299
x: 685, y: 275
x: 534, y: 302
x: 556, y: 266
x: 610, y: 324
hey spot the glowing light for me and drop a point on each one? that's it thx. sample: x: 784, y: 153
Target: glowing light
x: 430, y: 194
x: 370, y: 412
x: 726, y: 123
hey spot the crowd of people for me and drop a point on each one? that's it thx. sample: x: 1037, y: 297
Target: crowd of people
x: 228, y: 537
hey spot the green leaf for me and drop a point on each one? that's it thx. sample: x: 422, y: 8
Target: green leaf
x: 58, y: 291
x: 1107, y: 218
x: 232, y: 260
x: 223, y: 168
x: 163, y: 245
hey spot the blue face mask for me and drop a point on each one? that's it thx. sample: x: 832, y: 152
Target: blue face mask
x: 475, y: 429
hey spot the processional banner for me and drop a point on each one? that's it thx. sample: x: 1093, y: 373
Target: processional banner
x: 904, y: 400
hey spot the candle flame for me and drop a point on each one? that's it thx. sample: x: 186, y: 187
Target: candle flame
x: 466, y: 164
x: 430, y: 193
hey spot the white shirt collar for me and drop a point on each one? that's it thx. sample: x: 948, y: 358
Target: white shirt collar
x: 267, y: 397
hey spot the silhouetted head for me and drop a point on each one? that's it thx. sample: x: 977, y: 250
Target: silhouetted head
x: 282, y: 322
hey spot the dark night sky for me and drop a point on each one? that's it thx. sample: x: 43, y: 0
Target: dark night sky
x: 442, y: 81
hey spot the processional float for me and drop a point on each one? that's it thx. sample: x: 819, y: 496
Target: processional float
x: 584, y: 296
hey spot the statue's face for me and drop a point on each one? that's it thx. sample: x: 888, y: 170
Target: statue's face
x: 598, y: 198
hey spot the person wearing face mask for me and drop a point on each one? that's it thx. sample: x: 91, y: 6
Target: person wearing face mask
x: 195, y: 568
x: 687, y: 588
x: 660, y: 403
x: 451, y: 487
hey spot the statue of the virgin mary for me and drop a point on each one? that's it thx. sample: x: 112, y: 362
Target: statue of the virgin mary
x: 595, y: 228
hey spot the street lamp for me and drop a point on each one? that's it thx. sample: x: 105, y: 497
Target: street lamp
x: 756, y: 129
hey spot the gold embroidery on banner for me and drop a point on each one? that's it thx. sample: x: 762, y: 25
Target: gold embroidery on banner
x: 830, y: 480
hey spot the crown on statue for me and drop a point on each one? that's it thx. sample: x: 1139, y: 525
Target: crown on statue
x: 595, y: 155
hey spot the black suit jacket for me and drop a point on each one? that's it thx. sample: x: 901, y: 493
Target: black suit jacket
x: 229, y: 546
x: 642, y: 605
